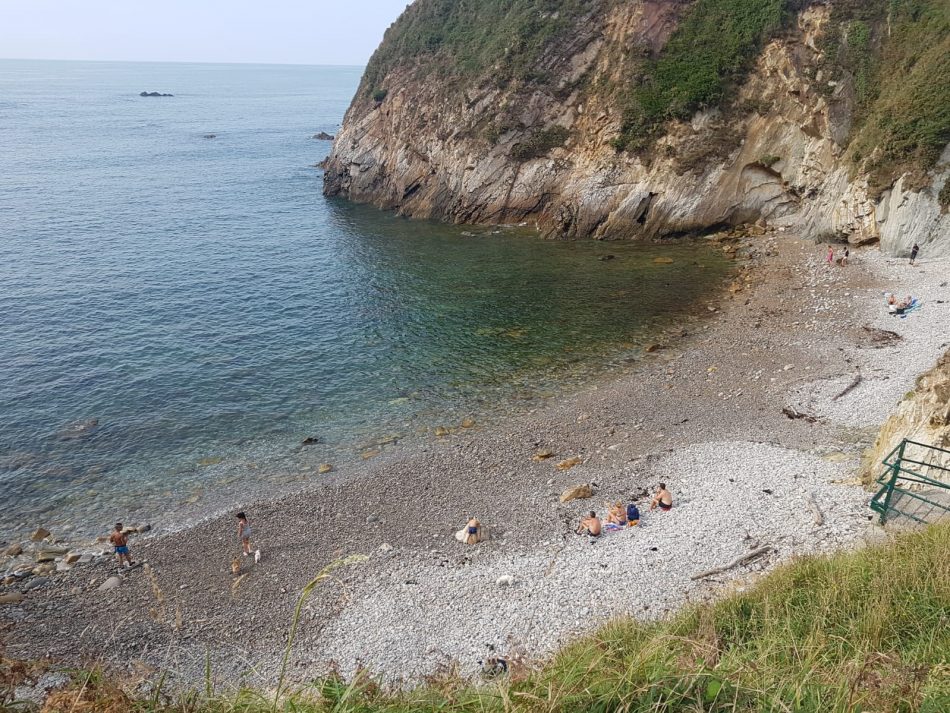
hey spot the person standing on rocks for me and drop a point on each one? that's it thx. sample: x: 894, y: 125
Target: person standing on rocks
x: 120, y: 541
x: 913, y: 253
x: 663, y: 499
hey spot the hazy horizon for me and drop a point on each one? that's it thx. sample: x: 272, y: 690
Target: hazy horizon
x: 293, y: 32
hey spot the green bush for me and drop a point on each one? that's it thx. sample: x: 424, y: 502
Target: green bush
x: 898, y: 54
x: 944, y: 195
x: 707, y: 56
x: 540, y: 143
x: 504, y: 38
x: 769, y: 160
x: 379, y: 95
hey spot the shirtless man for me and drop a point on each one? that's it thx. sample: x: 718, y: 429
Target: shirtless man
x: 120, y: 541
x: 663, y: 498
x: 590, y: 525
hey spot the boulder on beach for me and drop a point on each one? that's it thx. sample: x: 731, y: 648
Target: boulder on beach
x: 154, y: 94
x: 40, y: 534
x: 11, y: 598
x: 569, y: 463
x: 578, y: 492
x: 14, y: 550
x: 111, y: 583
x: 323, y: 136
x: 324, y: 468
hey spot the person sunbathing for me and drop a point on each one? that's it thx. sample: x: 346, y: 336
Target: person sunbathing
x: 663, y: 499
x: 616, y: 514
x: 590, y: 525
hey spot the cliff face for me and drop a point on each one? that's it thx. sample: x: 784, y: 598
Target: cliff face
x: 923, y: 416
x: 431, y: 140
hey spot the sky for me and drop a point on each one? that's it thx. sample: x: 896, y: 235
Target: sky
x: 268, y: 31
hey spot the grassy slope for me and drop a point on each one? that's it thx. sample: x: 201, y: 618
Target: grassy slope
x: 860, y: 631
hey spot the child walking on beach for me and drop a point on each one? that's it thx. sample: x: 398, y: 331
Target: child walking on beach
x: 244, y: 532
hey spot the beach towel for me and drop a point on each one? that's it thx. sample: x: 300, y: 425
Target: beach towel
x: 915, y: 304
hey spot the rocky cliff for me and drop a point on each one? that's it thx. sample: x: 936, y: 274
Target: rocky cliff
x: 923, y: 416
x: 645, y: 118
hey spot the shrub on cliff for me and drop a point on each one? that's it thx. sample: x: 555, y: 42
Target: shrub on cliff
x: 707, y: 56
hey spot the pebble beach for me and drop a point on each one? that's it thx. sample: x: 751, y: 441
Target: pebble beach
x: 755, y: 414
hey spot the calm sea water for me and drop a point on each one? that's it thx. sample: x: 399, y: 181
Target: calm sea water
x: 205, y: 303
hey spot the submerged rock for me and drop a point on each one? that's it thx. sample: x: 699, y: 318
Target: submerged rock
x: 79, y: 429
x: 40, y: 534
x: 323, y: 136
x: 154, y: 94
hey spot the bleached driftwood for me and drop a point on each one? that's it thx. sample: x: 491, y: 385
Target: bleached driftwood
x: 815, y: 510
x: 747, y: 557
x: 794, y: 413
x: 854, y: 382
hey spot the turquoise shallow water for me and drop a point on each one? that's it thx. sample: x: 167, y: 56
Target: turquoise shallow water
x: 203, y: 301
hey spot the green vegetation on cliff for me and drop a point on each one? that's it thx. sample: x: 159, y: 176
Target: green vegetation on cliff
x: 505, y: 38
x: 888, y: 60
x: 707, y: 56
x: 858, y: 631
x: 898, y: 54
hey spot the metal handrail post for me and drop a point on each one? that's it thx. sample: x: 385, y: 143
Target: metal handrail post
x: 895, y: 472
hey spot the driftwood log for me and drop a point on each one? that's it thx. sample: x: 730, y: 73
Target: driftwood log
x: 815, y: 510
x: 793, y: 414
x: 747, y: 557
x: 854, y: 382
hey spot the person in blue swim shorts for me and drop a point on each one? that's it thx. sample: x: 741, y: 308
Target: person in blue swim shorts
x: 120, y: 541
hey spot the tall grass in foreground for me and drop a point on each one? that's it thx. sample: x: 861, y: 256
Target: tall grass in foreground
x: 859, y: 631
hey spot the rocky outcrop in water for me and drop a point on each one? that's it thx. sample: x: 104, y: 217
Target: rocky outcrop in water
x: 480, y: 150
x: 154, y: 94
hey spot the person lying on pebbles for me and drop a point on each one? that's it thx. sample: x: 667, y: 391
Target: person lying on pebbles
x: 472, y: 533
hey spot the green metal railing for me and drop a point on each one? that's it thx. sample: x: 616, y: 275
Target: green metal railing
x: 915, y: 484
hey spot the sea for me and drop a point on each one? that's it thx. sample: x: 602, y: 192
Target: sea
x: 187, y: 323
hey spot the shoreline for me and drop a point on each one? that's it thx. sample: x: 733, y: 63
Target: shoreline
x: 704, y: 411
x: 220, y: 475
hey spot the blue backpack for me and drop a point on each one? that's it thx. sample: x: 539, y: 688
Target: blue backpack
x: 632, y: 512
